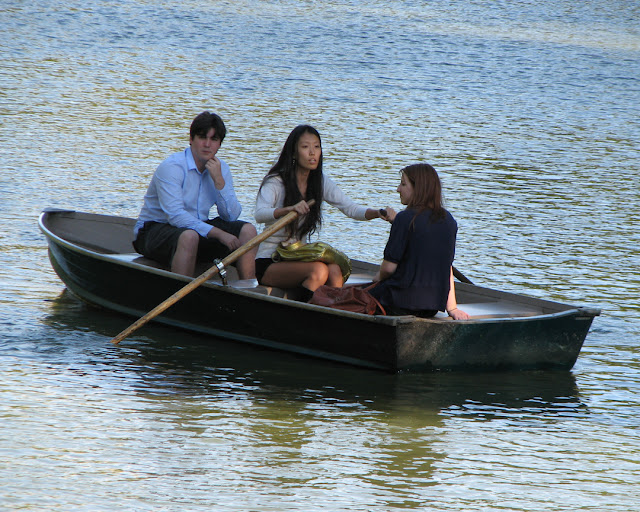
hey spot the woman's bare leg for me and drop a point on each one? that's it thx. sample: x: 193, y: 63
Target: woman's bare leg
x: 290, y: 274
x: 335, y: 276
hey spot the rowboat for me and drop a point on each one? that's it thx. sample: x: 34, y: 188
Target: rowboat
x: 93, y: 256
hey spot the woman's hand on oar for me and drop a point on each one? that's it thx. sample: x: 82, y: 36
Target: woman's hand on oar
x: 277, y: 226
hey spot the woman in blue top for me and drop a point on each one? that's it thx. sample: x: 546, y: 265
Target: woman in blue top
x: 416, y: 276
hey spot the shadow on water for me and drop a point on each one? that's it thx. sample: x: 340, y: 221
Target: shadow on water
x: 160, y: 361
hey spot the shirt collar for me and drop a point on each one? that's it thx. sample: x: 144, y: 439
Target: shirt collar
x: 191, y: 163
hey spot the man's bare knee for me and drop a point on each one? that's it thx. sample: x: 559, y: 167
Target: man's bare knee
x: 247, y: 232
x: 188, y: 239
x: 184, y: 259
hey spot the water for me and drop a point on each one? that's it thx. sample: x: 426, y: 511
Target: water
x: 529, y: 110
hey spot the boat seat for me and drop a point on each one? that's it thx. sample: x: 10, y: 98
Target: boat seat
x: 252, y: 285
x: 359, y: 278
x: 497, y: 309
x: 134, y: 257
x: 234, y: 282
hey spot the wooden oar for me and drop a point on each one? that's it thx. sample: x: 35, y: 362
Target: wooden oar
x: 277, y: 226
x: 460, y: 276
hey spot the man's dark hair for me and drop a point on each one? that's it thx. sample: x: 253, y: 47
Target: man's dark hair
x: 204, y: 122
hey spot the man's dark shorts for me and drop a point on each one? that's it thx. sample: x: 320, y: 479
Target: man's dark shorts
x: 158, y: 241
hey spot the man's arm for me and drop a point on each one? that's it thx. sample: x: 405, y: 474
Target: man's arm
x: 214, y: 166
x: 227, y: 203
x: 169, y: 178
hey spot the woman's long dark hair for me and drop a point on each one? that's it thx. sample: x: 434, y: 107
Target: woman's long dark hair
x: 427, y: 190
x: 286, y: 167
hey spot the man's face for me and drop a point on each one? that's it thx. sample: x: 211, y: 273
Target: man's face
x: 205, y: 148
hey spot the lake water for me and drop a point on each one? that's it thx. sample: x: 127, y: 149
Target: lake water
x: 530, y: 112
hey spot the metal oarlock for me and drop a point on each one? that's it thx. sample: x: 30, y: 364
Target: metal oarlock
x: 222, y: 272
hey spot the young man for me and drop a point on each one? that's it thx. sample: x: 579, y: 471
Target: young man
x: 174, y: 227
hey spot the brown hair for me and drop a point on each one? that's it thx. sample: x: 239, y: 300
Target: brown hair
x: 427, y: 190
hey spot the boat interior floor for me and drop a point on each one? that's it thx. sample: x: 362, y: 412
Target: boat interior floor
x: 476, y: 310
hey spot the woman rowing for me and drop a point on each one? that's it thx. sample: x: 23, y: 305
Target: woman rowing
x: 292, y: 182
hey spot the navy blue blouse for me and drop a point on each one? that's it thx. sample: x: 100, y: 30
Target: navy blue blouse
x: 424, y: 252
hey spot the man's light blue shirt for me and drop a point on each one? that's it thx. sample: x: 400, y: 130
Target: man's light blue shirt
x: 182, y: 196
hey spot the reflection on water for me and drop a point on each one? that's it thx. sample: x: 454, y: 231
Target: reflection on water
x: 170, y: 364
x: 196, y: 410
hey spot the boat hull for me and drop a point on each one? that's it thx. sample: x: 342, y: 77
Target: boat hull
x: 551, y: 341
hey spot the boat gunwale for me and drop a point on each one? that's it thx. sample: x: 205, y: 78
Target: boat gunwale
x: 578, y: 311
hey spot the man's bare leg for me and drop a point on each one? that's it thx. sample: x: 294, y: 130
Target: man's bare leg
x: 246, y: 264
x: 184, y: 259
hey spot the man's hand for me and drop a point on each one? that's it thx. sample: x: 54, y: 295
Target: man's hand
x: 227, y: 239
x: 215, y: 171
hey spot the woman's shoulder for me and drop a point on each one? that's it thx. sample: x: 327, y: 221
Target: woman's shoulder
x: 407, y: 213
x: 404, y: 217
x: 448, y: 216
x: 272, y: 180
x: 273, y: 176
x: 270, y: 189
x: 411, y: 214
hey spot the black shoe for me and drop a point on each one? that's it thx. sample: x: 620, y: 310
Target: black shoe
x: 303, y: 294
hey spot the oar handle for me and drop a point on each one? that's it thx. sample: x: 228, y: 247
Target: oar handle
x: 207, y: 274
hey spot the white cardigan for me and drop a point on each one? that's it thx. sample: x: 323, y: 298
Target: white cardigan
x: 271, y: 196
